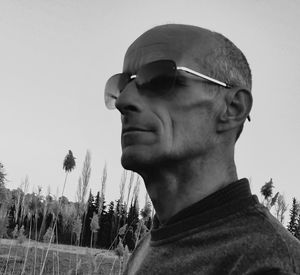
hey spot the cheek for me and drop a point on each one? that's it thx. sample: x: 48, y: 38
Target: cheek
x: 166, y: 132
x: 192, y: 130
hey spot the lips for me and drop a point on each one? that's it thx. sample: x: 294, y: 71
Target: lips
x: 133, y: 129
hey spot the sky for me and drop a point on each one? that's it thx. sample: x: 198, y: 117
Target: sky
x: 55, y: 58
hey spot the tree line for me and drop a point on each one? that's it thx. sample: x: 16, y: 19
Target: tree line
x: 278, y: 207
x: 97, y: 225
x: 94, y: 222
x: 86, y: 222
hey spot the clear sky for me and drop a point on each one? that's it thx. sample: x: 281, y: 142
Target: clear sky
x: 55, y: 57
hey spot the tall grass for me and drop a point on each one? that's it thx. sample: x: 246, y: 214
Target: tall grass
x: 39, y: 259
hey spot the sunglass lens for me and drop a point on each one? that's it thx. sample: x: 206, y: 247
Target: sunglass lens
x: 157, y: 76
x: 113, y: 87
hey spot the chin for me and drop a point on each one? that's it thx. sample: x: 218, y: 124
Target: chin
x: 138, y: 160
x: 133, y: 162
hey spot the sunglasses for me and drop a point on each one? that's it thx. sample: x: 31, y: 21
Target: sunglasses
x: 157, y: 77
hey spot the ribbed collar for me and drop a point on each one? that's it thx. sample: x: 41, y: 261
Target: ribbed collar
x: 225, y: 201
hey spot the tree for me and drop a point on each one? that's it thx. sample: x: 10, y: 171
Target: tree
x: 118, y: 220
x: 4, y: 201
x: 133, y: 215
x: 294, y: 212
x: 17, y: 198
x: 77, y: 229
x: 45, y: 206
x: 24, y: 185
x: 146, y: 211
x: 108, y: 224
x: 21, y: 235
x: 69, y: 214
x: 297, y: 231
x: 97, y: 203
x: 94, y: 226
x: 5, y: 198
x: 48, y: 236
x: 105, y: 225
x: 87, y: 217
x: 27, y: 214
x: 2, y: 175
x: 129, y: 239
x: 267, y: 191
x: 3, y: 227
x: 38, y: 209
x: 280, y: 208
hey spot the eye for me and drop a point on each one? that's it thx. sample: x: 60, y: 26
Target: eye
x: 122, y: 86
x: 180, y: 81
x: 158, y: 83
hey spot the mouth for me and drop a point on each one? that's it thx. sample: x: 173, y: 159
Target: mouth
x: 128, y: 130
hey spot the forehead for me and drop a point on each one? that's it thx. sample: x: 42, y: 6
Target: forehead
x: 185, y: 46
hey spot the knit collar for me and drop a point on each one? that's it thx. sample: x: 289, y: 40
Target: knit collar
x: 228, y: 199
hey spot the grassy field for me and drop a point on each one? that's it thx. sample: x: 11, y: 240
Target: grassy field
x: 61, y: 259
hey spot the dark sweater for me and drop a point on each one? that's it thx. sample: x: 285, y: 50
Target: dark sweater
x: 228, y: 232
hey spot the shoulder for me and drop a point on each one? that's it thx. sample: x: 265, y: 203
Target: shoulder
x: 270, y: 245
x: 272, y: 230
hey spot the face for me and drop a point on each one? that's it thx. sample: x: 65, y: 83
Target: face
x: 160, y: 129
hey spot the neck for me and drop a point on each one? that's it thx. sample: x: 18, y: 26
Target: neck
x: 175, y: 187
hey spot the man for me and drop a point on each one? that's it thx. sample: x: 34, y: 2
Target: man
x: 184, y: 95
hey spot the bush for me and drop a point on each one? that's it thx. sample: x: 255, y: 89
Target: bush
x: 15, y: 233
x: 21, y: 235
x: 47, y: 236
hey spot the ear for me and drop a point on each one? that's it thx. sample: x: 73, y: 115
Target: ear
x: 238, y: 103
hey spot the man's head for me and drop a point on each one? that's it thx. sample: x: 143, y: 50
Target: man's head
x: 194, y: 117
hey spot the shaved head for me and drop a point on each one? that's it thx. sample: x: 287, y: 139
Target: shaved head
x: 199, y: 48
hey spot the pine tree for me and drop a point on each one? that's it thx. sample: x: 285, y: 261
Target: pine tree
x: 119, y: 220
x: 294, y: 212
x: 94, y: 225
x: 297, y: 229
x: 113, y: 223
x: 133, y: 215
x: 88, y: 215
x: 102, y: 224
x: 129, y: 239
x: 97, y: 200
x: 146, y: 211
x: 107, y: 223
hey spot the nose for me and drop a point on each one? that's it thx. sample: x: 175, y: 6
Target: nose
x: 129, y: 99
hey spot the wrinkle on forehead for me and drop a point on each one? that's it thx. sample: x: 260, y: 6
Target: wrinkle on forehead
x: 184, y: 44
